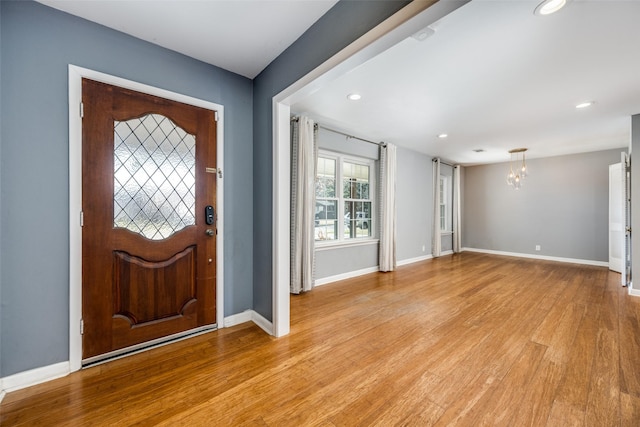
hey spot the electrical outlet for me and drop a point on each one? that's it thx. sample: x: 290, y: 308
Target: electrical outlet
x: 423, y: 248
x: 537, y: 247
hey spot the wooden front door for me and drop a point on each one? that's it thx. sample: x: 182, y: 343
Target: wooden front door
x: 148, y: 201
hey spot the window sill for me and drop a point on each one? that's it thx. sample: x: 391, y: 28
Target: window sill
x: 324, y: 246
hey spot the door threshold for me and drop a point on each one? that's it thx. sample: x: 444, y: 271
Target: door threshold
x: 139, y: 348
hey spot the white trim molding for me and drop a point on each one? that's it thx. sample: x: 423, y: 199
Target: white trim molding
x: 249, y: 316
x: 345, y: 244
x: 35, y: 376
x: 344, y: 276
x: 76, y: 74
x: 2, y: 392
x: 541, y: 257
x: 238, y: 319
x: 414, y: 260
x: 633, y: 292
x: 261, y: 322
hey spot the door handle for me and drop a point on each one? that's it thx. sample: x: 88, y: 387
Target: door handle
x: 210, y: 232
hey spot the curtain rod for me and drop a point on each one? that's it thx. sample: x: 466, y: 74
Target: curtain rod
x: 381, y: 144
x: 443, y: 163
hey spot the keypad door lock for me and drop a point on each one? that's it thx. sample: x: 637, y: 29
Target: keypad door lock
x: 209, y: 215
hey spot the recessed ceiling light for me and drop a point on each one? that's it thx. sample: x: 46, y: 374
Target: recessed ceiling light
x: 443, y: 135
x: 547, y: 7
x: 584, y: 104
x: 354, y: 96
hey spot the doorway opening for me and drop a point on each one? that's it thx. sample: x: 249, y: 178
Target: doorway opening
x: 407, y: 21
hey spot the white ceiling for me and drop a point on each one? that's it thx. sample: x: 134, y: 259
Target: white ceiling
x: 493, y: 76
x: 242, y: 36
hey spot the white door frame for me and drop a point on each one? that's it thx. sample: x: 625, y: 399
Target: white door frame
x: 407, y: 21
x: 76, y: 74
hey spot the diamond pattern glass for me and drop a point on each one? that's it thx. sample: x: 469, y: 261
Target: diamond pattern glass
x: 154, y: 178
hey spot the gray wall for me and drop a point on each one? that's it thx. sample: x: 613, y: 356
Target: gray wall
x: 563, y: 207
x: 414, y: 204
x: 37, y: 43
x: 341, y: 25
x: 345, y: 259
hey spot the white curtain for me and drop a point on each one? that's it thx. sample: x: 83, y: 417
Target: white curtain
x: 436, y: 244
x: 457, y: 219
x: 303, y: 200
x: 387, y: 208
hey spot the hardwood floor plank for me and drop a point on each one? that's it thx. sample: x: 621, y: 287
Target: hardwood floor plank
x: 629, y: 330
x: 603, y: 407
x: 469, y: 339
x: 629, y: 410
x: 565, y: 415
x: 574, y: 387
x: 538, y: 399
x: 499, y: 407
x: 468, y: 396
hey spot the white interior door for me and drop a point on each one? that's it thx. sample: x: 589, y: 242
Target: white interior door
x: 616, y: 218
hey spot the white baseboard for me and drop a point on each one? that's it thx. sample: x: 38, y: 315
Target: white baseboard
x: 249, y: 316
x: 350, y: 274
x: 412, y: 260
x: 541, y: 257
x: 632, y: 291
x: 35, y: 376
x: 2, y: 392
x: 263, y: 323
x: 237, y: 319
x: 343, y: 276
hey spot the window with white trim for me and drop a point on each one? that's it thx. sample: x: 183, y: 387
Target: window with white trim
x: 345, y: 198
x: 445, y: 218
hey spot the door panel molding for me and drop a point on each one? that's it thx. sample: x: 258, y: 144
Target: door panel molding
x: 76, y: 74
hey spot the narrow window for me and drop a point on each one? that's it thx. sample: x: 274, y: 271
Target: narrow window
x: 444, y: 205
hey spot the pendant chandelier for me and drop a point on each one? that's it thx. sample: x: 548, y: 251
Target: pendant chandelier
x: 517, y: 170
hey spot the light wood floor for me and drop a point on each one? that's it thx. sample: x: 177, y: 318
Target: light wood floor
x: 469, y: 340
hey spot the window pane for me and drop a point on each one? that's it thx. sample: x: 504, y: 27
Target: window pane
x: 327, y: 230
x: 357, y: 219
x: 326, y: 177
x: 326, y: 209
x: 326, y: 223
x: 355, y: 183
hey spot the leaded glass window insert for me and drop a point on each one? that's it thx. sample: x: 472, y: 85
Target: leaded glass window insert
x: 154, y: 176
